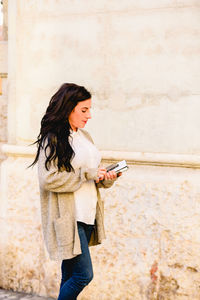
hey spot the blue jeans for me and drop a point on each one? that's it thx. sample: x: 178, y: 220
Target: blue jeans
x: 77, y: 272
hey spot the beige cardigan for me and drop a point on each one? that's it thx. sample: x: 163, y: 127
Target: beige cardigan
x: 58, y: 208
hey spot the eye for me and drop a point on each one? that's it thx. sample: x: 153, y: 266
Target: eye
x: 83, y: 111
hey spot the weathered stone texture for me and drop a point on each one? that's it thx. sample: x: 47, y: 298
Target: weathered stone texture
x: 3, y: 119
x: 152, y: 246
x: 140, y: 59
x: 3, y: 57
x: 21, y: 228
x: 3, y: 89
x: 5, y: 20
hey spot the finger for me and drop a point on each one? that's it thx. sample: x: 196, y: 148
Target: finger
x: 119, y: 174
x: 112, y: 174
x: 109, y: 175
x: 102, y: 174
x: 106, y: 176
x: 103, y: 169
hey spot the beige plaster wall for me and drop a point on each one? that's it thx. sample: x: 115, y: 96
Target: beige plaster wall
x: 152, y: 227
x: 3, y: 119
x: 3, y: 78
x: 5, y: 20
x: 140, y: 59
x: 4, y: 92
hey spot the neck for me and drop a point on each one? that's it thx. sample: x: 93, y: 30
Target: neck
x: 73, y: 128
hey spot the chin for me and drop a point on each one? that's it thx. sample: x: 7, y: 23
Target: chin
x: 81, y: 126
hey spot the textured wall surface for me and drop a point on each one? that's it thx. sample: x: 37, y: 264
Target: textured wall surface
x: 22, y: 258
x: 3, y: 119
x: 152, y: 246
x: 4, y: 92
x: 139, y: 58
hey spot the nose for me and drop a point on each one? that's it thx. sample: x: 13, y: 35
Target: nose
x: 89, y: 116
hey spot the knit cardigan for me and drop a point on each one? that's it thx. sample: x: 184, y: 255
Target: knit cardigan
x: 58, y: 207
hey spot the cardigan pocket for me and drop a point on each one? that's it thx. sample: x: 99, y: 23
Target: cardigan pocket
x: 64, y: 230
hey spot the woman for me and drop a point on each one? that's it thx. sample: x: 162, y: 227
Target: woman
x: 69, y: 178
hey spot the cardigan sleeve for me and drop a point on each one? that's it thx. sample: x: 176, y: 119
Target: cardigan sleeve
x: 58, y: 181
x: 105, y: 183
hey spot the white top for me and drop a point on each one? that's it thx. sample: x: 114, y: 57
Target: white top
x: 88, y: 156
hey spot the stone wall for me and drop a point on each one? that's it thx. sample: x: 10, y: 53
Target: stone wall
x: 152, y: 225
x: 140, y: 60
x: 3, y: 93
x: 5, y: 20
x: 3, y: 79
x: 3, y: 107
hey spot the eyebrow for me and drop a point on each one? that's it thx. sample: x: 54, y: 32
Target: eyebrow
x: 85, y: 107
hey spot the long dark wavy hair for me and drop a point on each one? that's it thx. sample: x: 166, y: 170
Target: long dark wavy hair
x: 55, y: 127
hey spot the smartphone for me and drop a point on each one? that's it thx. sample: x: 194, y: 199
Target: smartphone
x: 121, y: 166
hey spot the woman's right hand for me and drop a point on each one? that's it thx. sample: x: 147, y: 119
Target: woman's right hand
x: 101, y: 174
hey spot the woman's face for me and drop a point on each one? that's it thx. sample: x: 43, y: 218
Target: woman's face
x: 80, y: 114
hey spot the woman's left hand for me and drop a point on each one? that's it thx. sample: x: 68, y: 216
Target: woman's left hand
x: 111, y: 175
